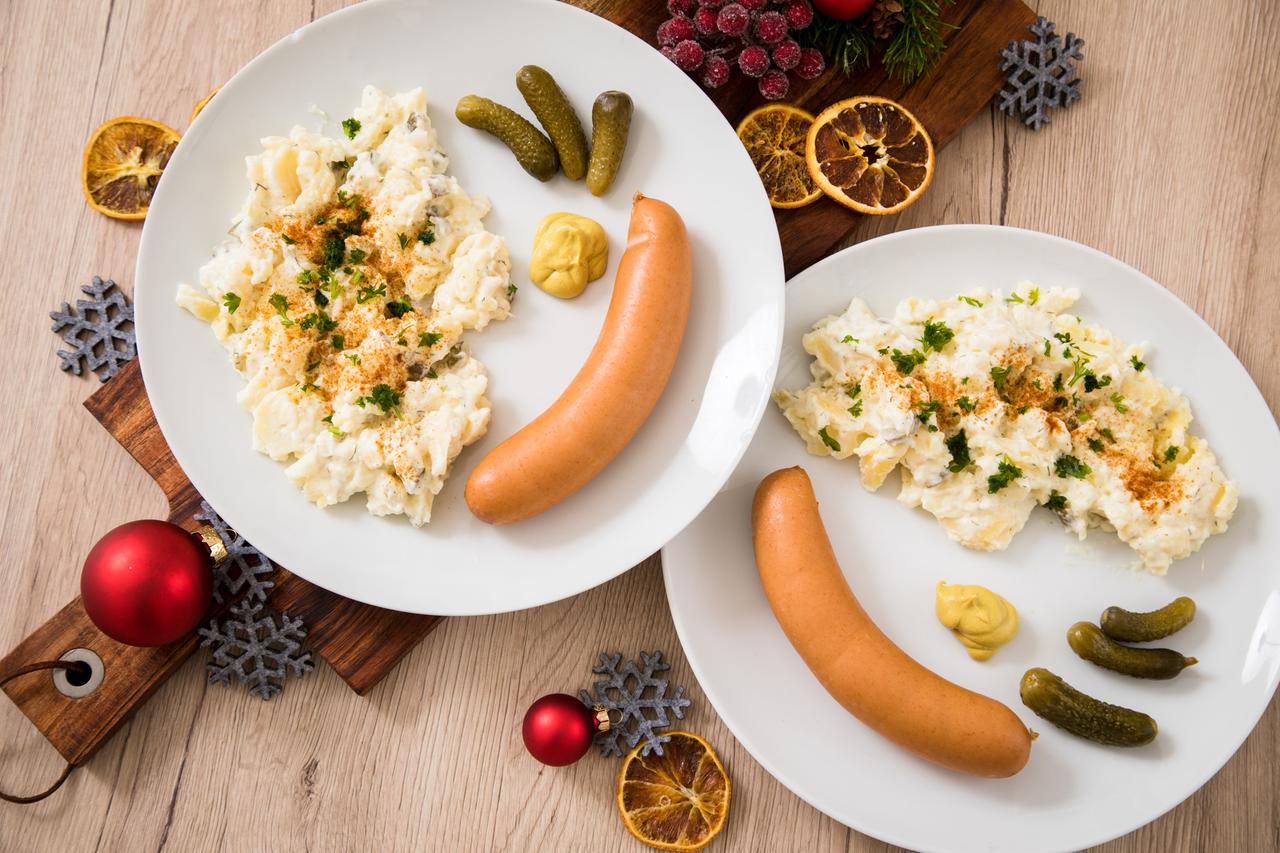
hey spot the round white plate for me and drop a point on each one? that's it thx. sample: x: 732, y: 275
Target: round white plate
x: 681, y: 150
x: 1073, y: 793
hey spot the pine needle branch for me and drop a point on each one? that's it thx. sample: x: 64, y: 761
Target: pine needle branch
x: 919, y: 41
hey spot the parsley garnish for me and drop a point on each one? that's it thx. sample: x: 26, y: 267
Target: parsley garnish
x: 232, y: 301
x: 399, y: 307
x: 926, y: 411
x: 828, y: 440
x: 1033, y: 296
x: 1106, y: 433
x: 1014, y: 298
x: 338, y: 342
x: 998, y: 377
x: 1117, y: 400
x: 854, y: 391
x: 966, y: 404
x: 883, y: 350
x: 281, y: 304
x: 906, y: 361
x: 320, y: 299
x: 288, y: 241
x: 357, y: 276
x: 511, y: 292
x: 305, y: 276
x: 1064, y: 337
x: 848, y: 339
x: 404, y: 240
x: 1047, y: 350
x: 1004, y: 475
x: 1056, y: 502
x: 334, y: 248
x: 431, y: 374
x: 1069, y: 466
x: 1137, y: 365
x: 328, y: 419
x: 353, y: 357
x: 1079, y: 369
x: 1057, y: 382
x: 958, y: 444
x: 1170, y: 453
x: 367, y: 293
x: 350, y: 127
x: 936, y: 335
x: 856, y: 409
x: 323, y: 323
x: 429, y: 339
x: 969, y: 299
x: 1093, y: 383
x: 381, y: 396
x: 427, y: 235
x: 357, y: 255
x: 310, y: 386
x: 1096, y: 446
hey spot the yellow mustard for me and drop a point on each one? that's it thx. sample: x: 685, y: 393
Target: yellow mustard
x: 980, y: 619
x: 568, y: 251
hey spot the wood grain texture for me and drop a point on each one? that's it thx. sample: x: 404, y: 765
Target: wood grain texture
x: 1171, y: 163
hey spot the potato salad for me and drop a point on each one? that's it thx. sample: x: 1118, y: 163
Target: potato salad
x: 353, y: 271
x: 994, y: 404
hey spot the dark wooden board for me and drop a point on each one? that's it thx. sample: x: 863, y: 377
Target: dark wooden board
x: 959, y: 85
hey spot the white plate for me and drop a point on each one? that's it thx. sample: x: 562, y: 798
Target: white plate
x: 1072, y: 794
x: 681, y: 150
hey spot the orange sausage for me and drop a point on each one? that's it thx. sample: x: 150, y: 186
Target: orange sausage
x: 612, y: 395
x: 859, y: 666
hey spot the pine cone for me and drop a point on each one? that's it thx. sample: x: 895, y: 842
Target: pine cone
x: 886, y: 17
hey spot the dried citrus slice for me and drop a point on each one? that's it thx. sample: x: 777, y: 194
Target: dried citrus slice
x: 774, y: 136
x: 122, y: 164
x: 195, y: 111
x: 675, y: 801
x: 870, y: 154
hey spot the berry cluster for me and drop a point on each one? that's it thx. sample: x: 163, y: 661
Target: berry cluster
x: 712, y: 36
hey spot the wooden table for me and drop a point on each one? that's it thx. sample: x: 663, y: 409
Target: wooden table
x: 1171, y: 163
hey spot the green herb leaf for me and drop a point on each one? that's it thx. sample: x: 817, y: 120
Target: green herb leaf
x: 335, y: 247
x: 338, y: 342
x: 966, y: 404
x: 999, y: 375
x: 936, y: 335
x: 970, y: 300
x: 1170, y: 453
x: 854, y: 391
x: 427, y: 235
x: 357, y: 256
x: 370, y: 292
x: 1106, y: 433
x: 1033, y: 296
x: 1137, y: 365
x: 429, y: 339
x: 404, y: 240
x: 281, y: 304
x: 848, y: 339
x: 1096, y: 446
x: 399, y: 307
x: 288, y: 241
x: 1005, y: 474
x: 1117, y: 399
x: 926, y: 411
x: 511, y: 292
x: 353, y: 357
x: 231, y: 300
x: 856, y: 409
x: 1056, y: 502
x: 1047, y: 350
x: 1014, y: 297
x: 1069, y: 466
x: 828, y: 440
x: 958, y: 444
x: 350, y: 127
x: 906, y: 361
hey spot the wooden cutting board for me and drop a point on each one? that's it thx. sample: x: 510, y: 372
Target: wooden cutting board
x: 364, y: 643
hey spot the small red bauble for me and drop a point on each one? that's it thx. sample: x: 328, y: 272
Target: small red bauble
x: 147, y: 583
x: 558, y: 729
x: 844, y: 10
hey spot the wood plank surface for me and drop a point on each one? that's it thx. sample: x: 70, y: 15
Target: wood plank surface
x: 1171, y: 163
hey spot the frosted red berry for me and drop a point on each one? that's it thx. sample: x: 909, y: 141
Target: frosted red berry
x: 681, y: 7
x: 704, y: 21
x: 811, y: 64
x: 754, y: 5
x: 753, y: 61
x: 711, y: 4
x: 799, y: 14
x: 771, y: 27
x: 674, y: 31
x: 786, y: 55
x: 689, y: 55
x: 774, y: 85
x: 733, y: 20
x: 715, y: 73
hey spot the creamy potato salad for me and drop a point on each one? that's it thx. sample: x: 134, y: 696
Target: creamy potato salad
x: 353, y: 270
x: 994, y: 404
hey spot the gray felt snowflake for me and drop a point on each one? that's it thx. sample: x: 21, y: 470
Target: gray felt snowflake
x: 100, y: 330
x: 633, y: 691
x: 1040, y: 74
x: 245, y: 566
x: 256, y: 650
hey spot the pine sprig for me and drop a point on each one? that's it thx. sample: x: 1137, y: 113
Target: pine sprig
x: 850, y: 45
x: 919, y: 41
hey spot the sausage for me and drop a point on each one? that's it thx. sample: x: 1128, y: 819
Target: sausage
x: 612, y: 395
x: 859, y: 666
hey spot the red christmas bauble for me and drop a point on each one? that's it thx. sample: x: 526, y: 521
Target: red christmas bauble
x: 843, y: 10
x: 558, y: 729
x: 147, y: 583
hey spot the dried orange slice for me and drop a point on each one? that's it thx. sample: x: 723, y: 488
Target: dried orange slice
x: 774, y: 136
x: 870, y: 154
x: 675, y: 801
x: 122, y: 165
x: 195, y: 111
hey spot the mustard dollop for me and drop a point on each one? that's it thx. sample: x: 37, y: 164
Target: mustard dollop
x: 980, y: 619
x: 568, y: 251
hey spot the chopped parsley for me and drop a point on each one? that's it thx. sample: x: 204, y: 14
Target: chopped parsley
x: 1069, y: 466
x: 1093, y: 383
x: 319, y: 297
x: 1106, y: 433
x: 335, y: 247
x: 381, y: 396
x: 281, y: 304
x: 511, y: 292
x: 1117, y: 399
x: 828, y: 440
x: 328, y: 419
x: 353, y: 357
x: 431, y: 374
x: 1079, y: 369
x: 854, y: 391
x: 232, y: 301
x: 856, y: 409
x: 323, y: 323
x: 338, y: 342
x: 848, y: 339
x: 404, y: 240
x: 288, y: 241
x: 1004, y: 475
x: 936, y: 335
x: 927, y: 410
x: 1057, y: 382
x: 305, y: 276
x: 310, y: 386
x: 1033, y: 296
x: 883, y: 350
x: 1096, y: 446
x: 969, y: 299
x: 958, y: 444
x: 357, y: 277
x: 335, y: 288
x: 906, y: 361
x: 429, y: 339
x: 357, y: 255
x: 427, y: 235
x: 350, y: 126
x: 1047, y: 347
x: 370, y: 292
x: 1056, y: 502
x: 966, y: 404
x: 999, y: 375
x: 1137, y: 365
x: 399, y: 307
x: 1170, y: 453
x: 1064, y: 337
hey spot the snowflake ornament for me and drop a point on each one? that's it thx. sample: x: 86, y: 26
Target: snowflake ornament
x: 632, y: 690
x: 1041, y: 75
x: 100, y: 330
x: 245, y: 566
x: 255, y: 650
